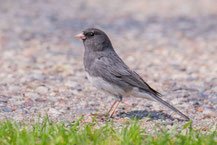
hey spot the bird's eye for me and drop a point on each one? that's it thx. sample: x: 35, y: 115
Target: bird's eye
x: 91, y: 34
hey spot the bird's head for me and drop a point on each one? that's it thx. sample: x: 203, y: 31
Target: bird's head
x: 95, y: 39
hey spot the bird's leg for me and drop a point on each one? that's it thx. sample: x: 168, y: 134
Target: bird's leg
x: 111, y: 114
x: 117, y: 102
x: 112, y: 106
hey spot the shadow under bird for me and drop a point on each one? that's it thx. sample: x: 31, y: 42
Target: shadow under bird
x: 106, y: 71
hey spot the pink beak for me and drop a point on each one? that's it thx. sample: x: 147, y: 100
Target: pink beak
x: 80, y: 36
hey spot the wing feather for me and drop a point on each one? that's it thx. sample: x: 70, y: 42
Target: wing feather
x: 117, y: 72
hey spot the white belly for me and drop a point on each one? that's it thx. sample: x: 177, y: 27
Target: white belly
x: 101, y: 84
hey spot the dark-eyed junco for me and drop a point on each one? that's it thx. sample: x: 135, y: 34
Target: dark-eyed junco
x: 106, y: 71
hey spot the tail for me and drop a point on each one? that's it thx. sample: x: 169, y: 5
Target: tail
x: 157, y: 95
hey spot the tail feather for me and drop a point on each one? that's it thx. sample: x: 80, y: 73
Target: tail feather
x: 157, y: 95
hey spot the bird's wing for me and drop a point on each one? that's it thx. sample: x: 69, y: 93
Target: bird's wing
x: 117, y: 72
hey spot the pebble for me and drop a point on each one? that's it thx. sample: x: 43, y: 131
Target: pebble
x: 13, y: 108
x: 191, y: 78
x: 37, y: 77
x: 42, y: 90
x: 130, y: 59
x: 148, y: 105
x: 203, y: 95
x: 84, y: 111
x: 40, y: 99
x: 28, y: 103
x: 4, y: 100
x: 196, y: 103
x: 7, y: 109
x: 208, y: 111
x: 25, y: 110
x: 71, y: 84
x: 214, y: 89
x: 2, y: 105
x: 54, y: 112
x: 31, y: 95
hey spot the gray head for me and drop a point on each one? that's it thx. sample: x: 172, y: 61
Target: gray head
x: 95, y: 40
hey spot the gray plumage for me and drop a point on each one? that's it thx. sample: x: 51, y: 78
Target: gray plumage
x: 108, y: 72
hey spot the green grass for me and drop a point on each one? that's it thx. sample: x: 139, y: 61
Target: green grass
x: 131, y: 132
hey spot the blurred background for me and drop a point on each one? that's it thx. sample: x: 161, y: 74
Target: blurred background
x: 171, y: 44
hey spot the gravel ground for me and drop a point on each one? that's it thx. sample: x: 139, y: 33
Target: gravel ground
x: 172, y: 45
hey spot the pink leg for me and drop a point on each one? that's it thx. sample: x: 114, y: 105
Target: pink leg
x: 112, y: 106
x: 116, y: 105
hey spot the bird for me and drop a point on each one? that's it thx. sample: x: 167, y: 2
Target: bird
x: 107, y: 72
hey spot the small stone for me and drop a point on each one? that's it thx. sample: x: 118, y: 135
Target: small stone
x: 134, y: 104
x: 2, y: 105
x: 26, y: 98
x: 130, y: 58
x: 78, y: 88
x: 14, y: 88
x: 186, y: 95
x: 71, y: 84
x: 196, y: 103
x: 7, y: 109
x: 200, y: 110
x: 25, y: 110
x: 191, y: 78
x: 40, y: 99
x: 206, y: 117
x: 44, y: 99
x: 214, y: 89
x: 122, y: 108
x: 68, y: 108
x: 54, y: 112
x: 42, y: 90
x: 202, y: 95
x: 3, y: 98
x: 30, y: 95
x: 37, y: 77
x: 84, y: 111
x: 208, y: 111
x: 13, y: 108
x: 28, y: 103
x: 148, y: 105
